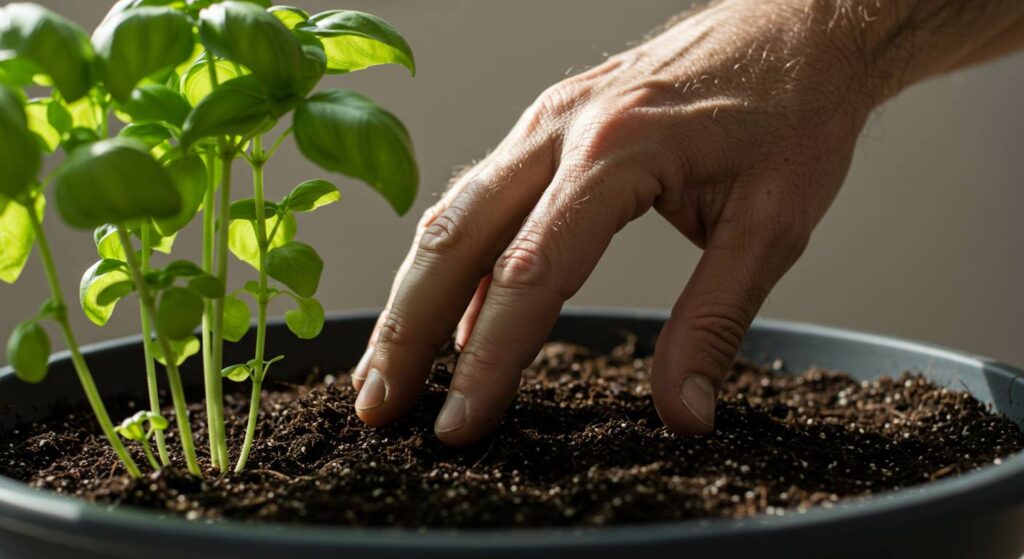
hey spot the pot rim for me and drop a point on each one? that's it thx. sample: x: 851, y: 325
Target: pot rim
x: 44, y: 514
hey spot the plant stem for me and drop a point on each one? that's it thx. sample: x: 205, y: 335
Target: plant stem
x: 211, y: 373
x: 149, y: 454
x: 262, y: 298
x: 216, y: 388
x: 147, y: 347
x: 170, y: 358
x: 81, y: 367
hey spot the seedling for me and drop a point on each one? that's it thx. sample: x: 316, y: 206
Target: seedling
x: 197, y: 85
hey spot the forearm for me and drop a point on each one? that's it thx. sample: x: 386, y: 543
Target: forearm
x: 905, y: 41
x: 869, y: 50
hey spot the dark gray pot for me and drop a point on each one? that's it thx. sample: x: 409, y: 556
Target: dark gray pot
x: 976, y: 515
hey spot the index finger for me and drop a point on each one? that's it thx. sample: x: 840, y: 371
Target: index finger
x: 454, y: 252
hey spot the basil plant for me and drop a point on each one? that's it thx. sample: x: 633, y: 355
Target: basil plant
x: 197, y: 86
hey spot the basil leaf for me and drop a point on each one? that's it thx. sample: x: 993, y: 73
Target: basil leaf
x: 237, y: 373
x: 310, y: 195
x: 356, y: 40
x: 156, y: 103
x: 179, y: 312
x: 17, y: 236
x: 345, y: 132
x: 236, y: 107
x: 183, y: 349
x: 249, y: 35
x: 112, y: 181
x: 195, y: 82
x: 52, y: 44
x: 139, y: 42
x: 20, y: 153
x: 189, y: 175
x: 242, y: 237
x: 296, y: 265
x: 307, y: 320
x: 236, y: 319
x: 98, y: 277
x: 28, y: 351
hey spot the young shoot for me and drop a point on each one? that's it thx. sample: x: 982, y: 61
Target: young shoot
x: 140, y: 428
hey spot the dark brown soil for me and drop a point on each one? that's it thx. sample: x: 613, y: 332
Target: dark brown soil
x: 582, y: 445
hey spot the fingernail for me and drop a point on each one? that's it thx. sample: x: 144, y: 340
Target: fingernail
x: 373, y: 393
x: 359, y: 373
x: 698, y: 395
x: 453, y: 414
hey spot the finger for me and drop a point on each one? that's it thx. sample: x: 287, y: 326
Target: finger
x: 701, y: 338
x: 454, y: 252
x: 468, y: 321
x: 547, y: 262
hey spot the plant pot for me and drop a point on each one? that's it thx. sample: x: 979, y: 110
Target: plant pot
x: 980, y: 514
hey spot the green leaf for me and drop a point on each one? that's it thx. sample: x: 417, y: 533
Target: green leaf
x: 131, y: 429
x: 242, y: 237
x: 156, y: 103
x: 108, y: 243
x: 237, y: 107
x: 139, y: 42
x: 28, y: 351
x: 307, y: 320
x: 183, y: 349
x: 156, y: 421
x: 195, y: 82
x: 207, y: 286
x: 249, y: 35
x: 311, y: 195
x: 115, y: 292
x: 37, y: 111
x: 345, y: 132
x: 179, y: 312
x: 237, y: 373
x: 149, y: 134
x: 52, y: 44
x: 266, y: 367
x: 356, y: 40
x: 79, y: 137
x: 236, y: 319
x: 17, y: 236
x: 246, y: 209
x: 20, y: 153
x: 296, y: 265
x: 189, y: 175
x: 163, y: 244
x: 183, y: 269
x: 289, y: 15
x: 112, y: 181
x: 98, y: 277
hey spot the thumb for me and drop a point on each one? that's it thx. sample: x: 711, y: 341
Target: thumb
x: 700, y: 340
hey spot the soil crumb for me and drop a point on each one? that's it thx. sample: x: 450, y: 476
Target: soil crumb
x: 581, y: 445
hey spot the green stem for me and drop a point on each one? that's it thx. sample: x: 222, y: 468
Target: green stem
x: 149, y: 454
x: 81, y: 367
x: 170, y: 358
x: 217, y: 331
x: 211, y: 373
x: 147, y: 347
x: 259, y: 158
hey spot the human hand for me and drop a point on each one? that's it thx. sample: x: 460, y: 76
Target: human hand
x: 737, y: 126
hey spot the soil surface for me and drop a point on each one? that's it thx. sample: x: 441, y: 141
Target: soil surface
x: 582, y: 445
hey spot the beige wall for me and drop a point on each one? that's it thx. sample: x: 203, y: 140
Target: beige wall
x: 925, y: 240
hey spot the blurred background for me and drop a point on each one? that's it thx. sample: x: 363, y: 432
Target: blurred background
x: 925, y: 241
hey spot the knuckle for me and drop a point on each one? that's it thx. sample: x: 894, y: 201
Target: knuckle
x: 524, y: 263
x: 553, y: 104
x: 719, y: 329
x: 446, y: 231
x: 476, y: 360
x: 394, y: 331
